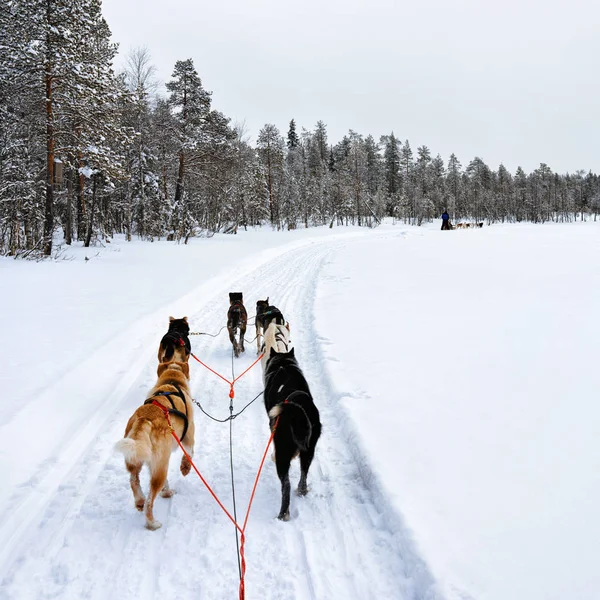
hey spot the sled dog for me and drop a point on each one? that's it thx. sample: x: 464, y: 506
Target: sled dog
x: 237, y: 320
x: 261, y: 309
x: 148, y: 439
x: 175, y: 344
x: 292, y: 413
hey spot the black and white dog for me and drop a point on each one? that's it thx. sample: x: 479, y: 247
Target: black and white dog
x: 265, y: 315
x: 292, y: 412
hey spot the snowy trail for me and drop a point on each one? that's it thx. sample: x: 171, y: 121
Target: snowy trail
x: 84, y: 539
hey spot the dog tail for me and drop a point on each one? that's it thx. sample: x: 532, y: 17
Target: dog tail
x: 293, y: 417
x: 137, y: 446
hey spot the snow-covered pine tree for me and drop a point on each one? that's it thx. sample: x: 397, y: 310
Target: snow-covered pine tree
x: 191, y: 106
x: 270, y: 147
x: 408, y: 183
x: 393, y: 178
x: 145, y: 204
x: 21, y: 135
x: 423, y: 207
x: 453, y: 186
x: 292, y: 137
x: 438, y: 189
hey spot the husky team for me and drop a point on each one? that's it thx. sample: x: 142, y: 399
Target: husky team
x: 168, y: 407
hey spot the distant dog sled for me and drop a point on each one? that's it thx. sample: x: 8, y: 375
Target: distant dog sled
x: 468, y: 225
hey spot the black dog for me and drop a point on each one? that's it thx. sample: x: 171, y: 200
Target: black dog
x: 237, y: 319
x: 265, y: 315
x: 261, y: 308
x: 292, y: 411
x: 175, y: 341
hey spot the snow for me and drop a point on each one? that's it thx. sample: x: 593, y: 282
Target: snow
x: 454, y: 373
x: 470, y: 372
x: 87, y: 171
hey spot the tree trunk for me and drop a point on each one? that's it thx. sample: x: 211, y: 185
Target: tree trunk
x: 88, y: 237
x: 270, y: 185
x: 180, y: 174
x: 48, y: 80
x: 69, y: 220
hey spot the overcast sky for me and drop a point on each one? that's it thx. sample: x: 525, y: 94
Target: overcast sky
x: 516, y: 81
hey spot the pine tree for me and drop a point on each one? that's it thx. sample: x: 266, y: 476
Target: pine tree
x: 407, y: 168
x: 393, y: 180
x: 143, y: 190
x: 270, y: 151
x: 191, y: 103
x: 292, y: 138
x: 453, y: 185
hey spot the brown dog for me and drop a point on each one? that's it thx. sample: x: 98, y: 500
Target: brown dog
x: 148, y: 438
x: 175, y: 344
x: 237, y: 320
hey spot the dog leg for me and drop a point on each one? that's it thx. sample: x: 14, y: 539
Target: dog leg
x: 283, y: 468
x: 232, y: 332
x: 242, y: 334
x: 136, y: 488
x: 158, y: 479
x: 166, y: 492
x: 258, y: 336
x: 306, y: 458
x: 188, y: 444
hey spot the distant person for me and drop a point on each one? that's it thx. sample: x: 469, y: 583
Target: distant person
x: 446, y: 221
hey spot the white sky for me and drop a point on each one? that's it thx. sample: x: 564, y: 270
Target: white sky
x: 515, y: 81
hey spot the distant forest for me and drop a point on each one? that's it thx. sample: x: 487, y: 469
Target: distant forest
x: 90, y: 152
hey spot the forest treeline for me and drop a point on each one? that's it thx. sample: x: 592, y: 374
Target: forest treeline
x: 90, y: 152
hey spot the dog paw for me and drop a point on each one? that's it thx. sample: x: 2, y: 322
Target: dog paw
x: 302, y: 491
x: 167, y: 493
x: 284, y: 516
x: 139, y: 504
x: 186, y: 466
x: 153, y: 525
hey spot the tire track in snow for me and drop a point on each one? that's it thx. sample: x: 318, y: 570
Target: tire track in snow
x: 337, y: 545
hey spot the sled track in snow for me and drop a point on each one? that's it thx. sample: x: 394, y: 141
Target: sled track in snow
x: 84, y: 539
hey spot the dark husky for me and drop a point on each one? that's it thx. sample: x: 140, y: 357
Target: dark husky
x: 265, y: 315
x: 261, y: 308
x: 175, y: 344
x: 292, y: 411
x: 237, y: 319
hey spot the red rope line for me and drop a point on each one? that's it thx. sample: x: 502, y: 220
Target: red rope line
x: 254, y: 363
x: 231, y: 383
x: 212, y: 370
x: 165, y: 410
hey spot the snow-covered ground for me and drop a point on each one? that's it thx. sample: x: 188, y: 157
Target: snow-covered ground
x: 468, y: 363
x: 454, y: 374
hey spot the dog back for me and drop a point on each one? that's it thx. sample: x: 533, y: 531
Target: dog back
x: 175, y: 344
x: 172, y: 380
x: 236, y: 315
x: 282, y: 377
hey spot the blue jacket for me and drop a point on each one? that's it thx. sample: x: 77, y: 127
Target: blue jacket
x: 445, y: 216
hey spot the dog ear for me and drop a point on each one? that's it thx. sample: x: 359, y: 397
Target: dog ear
x: 287, y: 325
x: 185, y: 319
x: 171, y: 319
x: 292, y: 353
x: 273, y: 352
x: 267, y: 300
